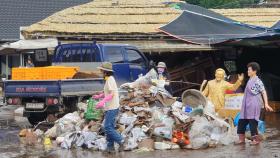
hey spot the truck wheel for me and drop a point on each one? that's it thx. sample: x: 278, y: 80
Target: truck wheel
x: 35, y: 118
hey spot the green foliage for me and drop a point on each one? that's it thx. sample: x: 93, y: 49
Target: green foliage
x: 223, y: 3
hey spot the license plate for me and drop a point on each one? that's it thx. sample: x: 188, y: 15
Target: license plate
x: 34, y: 105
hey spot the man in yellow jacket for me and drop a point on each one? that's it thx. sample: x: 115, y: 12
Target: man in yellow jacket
x: 215, y: 89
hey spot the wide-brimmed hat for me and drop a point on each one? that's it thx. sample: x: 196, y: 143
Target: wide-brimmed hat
x: 106, y: 66
x: 161, y: 64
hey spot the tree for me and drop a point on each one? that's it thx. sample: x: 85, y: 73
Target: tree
x: 223, y: 3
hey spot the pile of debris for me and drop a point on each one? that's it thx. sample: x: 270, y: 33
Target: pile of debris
x: 150, y: 118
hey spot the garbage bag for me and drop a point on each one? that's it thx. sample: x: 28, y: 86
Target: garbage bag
x: 79, y: 139
x: 68, y: 140
x: 70, y: 118
x: 229, y: 137
x: 200, y: 142
x: 261, y: 127
x: 142, y: 80
x: 218, y: 121
x: 216, y: 134
x: 85, y: 139
x: 236, y: 119
x: 200, y: 126
x: 65, y: 128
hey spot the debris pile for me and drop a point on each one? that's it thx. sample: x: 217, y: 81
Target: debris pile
x: 150, y: 118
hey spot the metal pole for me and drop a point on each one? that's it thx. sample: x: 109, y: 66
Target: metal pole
x: 21, y: 59
x: 7, y: 66
x: 184, y: 82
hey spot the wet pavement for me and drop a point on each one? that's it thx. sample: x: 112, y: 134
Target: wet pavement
x: 12, y: 146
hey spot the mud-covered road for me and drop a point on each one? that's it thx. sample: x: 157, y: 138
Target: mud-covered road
x: 11, y: 146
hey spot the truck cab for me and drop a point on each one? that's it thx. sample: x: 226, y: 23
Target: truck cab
x: 128, y: 62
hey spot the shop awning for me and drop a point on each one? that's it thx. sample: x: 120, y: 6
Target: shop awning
x: 32, y: 44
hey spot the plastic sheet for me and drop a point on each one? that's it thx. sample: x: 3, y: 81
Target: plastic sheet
x: 79, y: 139
x: 200, y: 142
x: 142, y: 80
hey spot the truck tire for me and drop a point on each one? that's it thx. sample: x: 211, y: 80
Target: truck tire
x: 35, y: 118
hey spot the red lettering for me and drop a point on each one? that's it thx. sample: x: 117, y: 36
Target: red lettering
x: 19, y: 90
x: 35, y: 89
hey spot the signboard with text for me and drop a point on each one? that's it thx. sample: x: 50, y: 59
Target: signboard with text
x: 41, y: 55
x: 233, y: 101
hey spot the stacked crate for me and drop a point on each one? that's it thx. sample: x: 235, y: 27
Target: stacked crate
x: 44, y: 73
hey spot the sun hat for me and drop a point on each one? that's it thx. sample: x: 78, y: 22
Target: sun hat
x: 106, y: 66
x: 161, y: 65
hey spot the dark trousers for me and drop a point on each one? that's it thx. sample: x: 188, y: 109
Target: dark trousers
x: 242, y: 124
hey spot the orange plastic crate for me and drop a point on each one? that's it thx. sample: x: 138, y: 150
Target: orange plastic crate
x: 18, y: 74
x: 44, y: 73
x: 59, y: 72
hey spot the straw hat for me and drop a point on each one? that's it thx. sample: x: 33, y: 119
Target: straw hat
x: 106, y: 66
x: 161, y: 65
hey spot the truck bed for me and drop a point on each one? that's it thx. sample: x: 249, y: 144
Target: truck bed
x: 40, y: 88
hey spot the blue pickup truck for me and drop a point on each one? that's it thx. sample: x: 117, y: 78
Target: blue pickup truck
x: 43, y: 97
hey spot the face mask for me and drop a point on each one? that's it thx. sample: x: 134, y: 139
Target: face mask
x: 160, y: 70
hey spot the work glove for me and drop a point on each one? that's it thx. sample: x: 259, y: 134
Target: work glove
x: 98, y: 96
x: 102, y: 103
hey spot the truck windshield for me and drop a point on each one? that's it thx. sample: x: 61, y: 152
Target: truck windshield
x: 114, y: 54
x: 85, y: 52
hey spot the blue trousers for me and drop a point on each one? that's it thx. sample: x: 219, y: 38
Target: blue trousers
x: 111, y: 134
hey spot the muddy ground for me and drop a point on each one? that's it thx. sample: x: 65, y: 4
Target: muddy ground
x: 11, y: 146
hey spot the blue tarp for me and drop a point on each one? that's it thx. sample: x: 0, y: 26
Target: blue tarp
x: 201, y: 26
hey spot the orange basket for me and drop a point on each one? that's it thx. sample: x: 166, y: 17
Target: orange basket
x: 44, y: 73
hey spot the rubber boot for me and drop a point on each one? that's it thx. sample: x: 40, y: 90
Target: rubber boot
x: 256, y: 140
x: 241, y: 140
x: 110, y: 151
